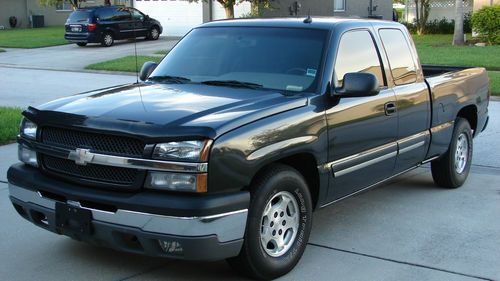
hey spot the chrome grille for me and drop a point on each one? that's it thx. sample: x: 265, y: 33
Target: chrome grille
x: 98, y: 143
x: 123, y: 176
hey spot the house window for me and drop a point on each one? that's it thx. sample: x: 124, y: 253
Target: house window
x: 64, y: 6
x: 339, y: 5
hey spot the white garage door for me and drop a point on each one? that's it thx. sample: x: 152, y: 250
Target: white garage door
x: 240, y: 9
x: 176, y: 16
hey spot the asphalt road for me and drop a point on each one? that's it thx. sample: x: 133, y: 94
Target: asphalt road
x: 23, y: 87
x: 72, y: 57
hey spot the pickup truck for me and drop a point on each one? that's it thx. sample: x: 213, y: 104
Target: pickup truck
x: 246, y: 127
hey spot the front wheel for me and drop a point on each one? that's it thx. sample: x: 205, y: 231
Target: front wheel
x: 452, y: 169
x: 154, y: 33
x: 279, y: 223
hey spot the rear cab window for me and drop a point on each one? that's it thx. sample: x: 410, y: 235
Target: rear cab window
x: 357, y: 53
x: 398, y: 52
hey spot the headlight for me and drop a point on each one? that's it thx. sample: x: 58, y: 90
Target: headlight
x: 177, y: 181
x: 27, y: 155
x: 183, y: 150
x: 28, y: 129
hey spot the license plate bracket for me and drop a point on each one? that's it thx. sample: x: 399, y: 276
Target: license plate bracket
x: 76, y: 28
x: 73, y: 220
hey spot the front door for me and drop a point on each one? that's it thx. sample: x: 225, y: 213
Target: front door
x: 362, y: 131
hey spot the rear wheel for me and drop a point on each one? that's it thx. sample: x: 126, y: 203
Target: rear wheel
x: 81, y: 44
x: 452, y: 169
x: 278, y: 226
x: 107, y: 39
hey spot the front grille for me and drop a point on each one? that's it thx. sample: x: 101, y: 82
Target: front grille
x: 97, y: 143
x: 115, y: 175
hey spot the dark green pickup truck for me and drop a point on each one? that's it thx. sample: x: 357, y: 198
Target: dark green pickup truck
x: 243, y: 130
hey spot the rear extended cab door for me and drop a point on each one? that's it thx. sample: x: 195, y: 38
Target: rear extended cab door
x: 413, y: 104
x: 362, y: 131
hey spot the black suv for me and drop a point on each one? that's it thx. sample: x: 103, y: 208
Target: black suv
x: 105, y: 24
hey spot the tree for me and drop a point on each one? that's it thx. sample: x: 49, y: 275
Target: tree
x: 75, y: 4
x: 228, y: 7
x: 458, y: 34
x: 422, y: 9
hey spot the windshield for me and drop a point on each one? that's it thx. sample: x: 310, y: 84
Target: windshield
x: 272, y: 58
x: 79, y: 16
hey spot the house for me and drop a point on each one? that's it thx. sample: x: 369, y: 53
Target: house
x: 179, y: 16
x: 342, y: 8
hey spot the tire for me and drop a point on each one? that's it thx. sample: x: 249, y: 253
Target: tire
x: 107, y: 39
x: 262, y: 260
x: 154, y: 33
x: 452, y: 169
x: 81, y: 44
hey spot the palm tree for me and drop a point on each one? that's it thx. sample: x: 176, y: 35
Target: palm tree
x: 458, y: 34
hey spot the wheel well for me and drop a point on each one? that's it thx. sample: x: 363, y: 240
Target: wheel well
x: 306, y: 165
x: 470, y: 114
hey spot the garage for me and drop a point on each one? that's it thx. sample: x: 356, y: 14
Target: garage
x: 178, y: 16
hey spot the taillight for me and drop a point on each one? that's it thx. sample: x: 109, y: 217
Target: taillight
x: 91, y: 26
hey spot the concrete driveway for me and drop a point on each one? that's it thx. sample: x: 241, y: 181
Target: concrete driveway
x: 72, y: 57
x: 408, y: 229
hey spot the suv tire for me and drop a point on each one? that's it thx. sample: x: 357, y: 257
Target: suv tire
x: 107, y: 39
x: 452, y: 169
x: 278, y: 226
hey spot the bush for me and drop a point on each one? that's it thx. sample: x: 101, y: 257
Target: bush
x: 443, y: 26
x: 486, y: 22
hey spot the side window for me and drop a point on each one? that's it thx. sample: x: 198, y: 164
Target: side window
x: 357, y: 53
x: 105, y: 14
x: 137, y: 15
x: 400, y: 59
x: 121, y: 14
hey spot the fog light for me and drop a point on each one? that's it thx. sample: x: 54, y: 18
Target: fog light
x: 177, y: 181
x: 27, y: 156
x: 171, y: 247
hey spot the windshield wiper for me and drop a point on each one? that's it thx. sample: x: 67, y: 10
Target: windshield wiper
x: 168, y: 78
x: 232, y: 83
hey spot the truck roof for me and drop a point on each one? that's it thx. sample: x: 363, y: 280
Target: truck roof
x: 296, y: 22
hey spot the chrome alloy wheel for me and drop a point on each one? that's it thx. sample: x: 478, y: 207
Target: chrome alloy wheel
x: 461, y: 153
x: 155, y: 33
x: 279, y: 224
x: 108, y: 39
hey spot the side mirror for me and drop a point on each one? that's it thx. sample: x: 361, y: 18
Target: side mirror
x: 358, y: 84
x: 147, y: 69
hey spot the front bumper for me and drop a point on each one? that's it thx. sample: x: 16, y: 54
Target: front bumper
x: 208, y: 237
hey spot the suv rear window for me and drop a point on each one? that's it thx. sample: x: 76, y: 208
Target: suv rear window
x: 79, y: 16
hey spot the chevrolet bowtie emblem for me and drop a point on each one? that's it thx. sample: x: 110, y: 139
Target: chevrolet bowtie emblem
x: 81, y: 156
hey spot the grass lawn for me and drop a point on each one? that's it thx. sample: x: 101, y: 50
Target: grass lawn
x: 32, y: 37
x: 437, y: 49
x: 162, y: 52
x: 126, y: 64
x: 10, y: 118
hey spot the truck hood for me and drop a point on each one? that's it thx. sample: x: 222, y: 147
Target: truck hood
x: 164, y: 110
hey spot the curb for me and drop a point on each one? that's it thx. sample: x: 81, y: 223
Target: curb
x: 68, y: 70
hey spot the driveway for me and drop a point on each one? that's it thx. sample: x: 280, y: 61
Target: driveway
x: 72, y: 57
x: 408, y: 229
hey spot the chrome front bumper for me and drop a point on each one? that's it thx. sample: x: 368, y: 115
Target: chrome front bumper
x: 203, y: 235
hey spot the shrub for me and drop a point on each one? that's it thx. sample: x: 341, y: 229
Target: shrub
x: 443, y: 26
x: 486, y: 22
